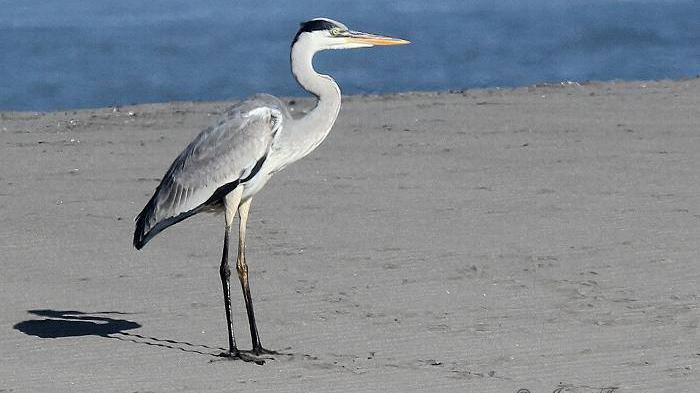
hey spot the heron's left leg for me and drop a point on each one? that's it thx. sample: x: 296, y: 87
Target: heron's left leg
x: 231, y: 203
x: 242, y: 268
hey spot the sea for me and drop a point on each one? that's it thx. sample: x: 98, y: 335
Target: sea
x: 59, y: 55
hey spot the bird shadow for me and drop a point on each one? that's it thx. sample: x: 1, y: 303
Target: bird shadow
x: 64, y: 323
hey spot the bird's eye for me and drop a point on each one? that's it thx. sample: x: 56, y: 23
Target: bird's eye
x: 335, y: 31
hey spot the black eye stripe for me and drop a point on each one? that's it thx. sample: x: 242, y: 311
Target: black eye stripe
x: 315, y: 25
x: 318, y: 24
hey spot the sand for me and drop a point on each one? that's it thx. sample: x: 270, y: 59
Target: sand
x: 536, y: 238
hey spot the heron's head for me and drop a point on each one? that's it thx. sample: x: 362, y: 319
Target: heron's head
x: 325, y: 33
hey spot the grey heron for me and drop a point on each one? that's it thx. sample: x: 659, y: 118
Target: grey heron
x: 227, y: 164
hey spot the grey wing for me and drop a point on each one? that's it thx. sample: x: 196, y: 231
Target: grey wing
x: 213, y: 164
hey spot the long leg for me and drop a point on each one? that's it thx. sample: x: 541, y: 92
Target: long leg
x: 231, y: 202
x: 242, y: 268
x: 225, y: 273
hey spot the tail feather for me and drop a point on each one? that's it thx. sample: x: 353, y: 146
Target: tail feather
x: 147, y: 225
x: 142, y: 233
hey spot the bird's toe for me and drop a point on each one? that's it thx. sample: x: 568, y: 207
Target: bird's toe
x: 238, y: 355
x: 265, y: 351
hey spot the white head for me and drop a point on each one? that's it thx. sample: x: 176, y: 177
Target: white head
x: 323, y: 33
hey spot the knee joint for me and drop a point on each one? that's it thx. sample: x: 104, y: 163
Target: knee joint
x: 225, y: 271
x: 242, y: 268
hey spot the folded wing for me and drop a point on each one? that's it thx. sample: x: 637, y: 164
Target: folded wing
x: 213, y: 164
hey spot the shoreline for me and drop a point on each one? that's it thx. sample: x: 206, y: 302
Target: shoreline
x: 545, y: 84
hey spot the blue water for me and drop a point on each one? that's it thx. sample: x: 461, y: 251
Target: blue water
x: 89, y: 53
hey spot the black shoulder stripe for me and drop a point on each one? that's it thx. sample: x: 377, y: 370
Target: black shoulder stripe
x: 221, y: 192
x: 256, y: 169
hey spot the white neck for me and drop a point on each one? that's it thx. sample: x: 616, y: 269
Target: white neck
x: 322, y: 86
x: 313, y: 128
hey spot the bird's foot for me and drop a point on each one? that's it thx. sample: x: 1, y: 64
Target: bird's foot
x: 259, y: 350
x: 246, y: 357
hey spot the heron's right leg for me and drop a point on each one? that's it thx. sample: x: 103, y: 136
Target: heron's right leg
x: 242, y: 268
x: 231, y: 202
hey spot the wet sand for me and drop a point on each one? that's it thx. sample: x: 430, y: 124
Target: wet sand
x: 538, y: 238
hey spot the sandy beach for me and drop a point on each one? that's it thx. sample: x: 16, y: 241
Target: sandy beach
x: 536, y: 238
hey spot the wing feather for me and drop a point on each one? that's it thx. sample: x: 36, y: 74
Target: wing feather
x: 214, y: 163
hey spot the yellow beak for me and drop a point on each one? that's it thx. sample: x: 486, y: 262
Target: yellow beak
x: 373, y: 39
